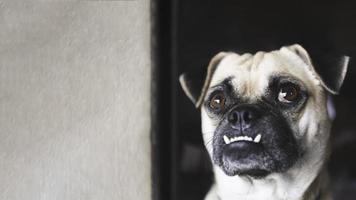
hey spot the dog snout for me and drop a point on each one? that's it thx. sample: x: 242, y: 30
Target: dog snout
x: 242, y: 117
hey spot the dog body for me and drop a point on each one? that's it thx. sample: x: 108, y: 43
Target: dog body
x: 265, y: 124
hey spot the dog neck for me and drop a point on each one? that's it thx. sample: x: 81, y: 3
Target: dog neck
x: 306, y: 184
x: 319, y: 189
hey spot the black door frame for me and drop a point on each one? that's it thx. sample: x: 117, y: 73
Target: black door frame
x: 163, y: 89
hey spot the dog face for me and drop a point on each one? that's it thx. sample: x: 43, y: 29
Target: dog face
x: 264, y: 113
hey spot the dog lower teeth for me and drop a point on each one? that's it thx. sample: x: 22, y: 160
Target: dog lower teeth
x: 257, y: 138
x: 228, y: 140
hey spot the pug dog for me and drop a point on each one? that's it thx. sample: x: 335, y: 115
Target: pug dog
x: 266, y: 122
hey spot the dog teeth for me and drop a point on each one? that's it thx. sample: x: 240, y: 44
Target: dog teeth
x: 257, y: 138
x: 228, y: 140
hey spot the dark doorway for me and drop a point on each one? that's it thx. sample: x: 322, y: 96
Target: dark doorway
x: 186, y: 34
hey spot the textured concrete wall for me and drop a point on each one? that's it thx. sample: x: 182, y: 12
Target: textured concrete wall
x: 74, y: 100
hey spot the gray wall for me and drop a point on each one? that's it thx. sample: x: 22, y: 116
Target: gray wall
x: 74, y: 100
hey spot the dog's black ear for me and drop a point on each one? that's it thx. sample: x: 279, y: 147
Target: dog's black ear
x: 196, y: 82
x: 330, y: 68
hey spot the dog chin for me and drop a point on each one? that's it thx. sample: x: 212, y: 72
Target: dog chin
x: 245, y: 158
x: 251, y: 172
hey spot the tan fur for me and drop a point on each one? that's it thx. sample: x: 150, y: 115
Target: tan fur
x: 251, y: 75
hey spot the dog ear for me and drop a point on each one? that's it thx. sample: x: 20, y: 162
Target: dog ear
x: 330, y: 68
x: 196, y: 83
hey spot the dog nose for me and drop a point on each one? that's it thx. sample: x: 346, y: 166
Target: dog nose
x: 242, y: 117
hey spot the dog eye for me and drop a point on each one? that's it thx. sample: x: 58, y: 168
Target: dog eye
x: 288, y: 93
x: 217, y: 101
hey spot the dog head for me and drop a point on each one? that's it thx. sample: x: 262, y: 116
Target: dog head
x: 263, y: 113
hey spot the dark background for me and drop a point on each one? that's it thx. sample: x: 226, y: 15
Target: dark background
x: 188, y: 33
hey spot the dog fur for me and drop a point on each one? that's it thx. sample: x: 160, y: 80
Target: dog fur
x: 250, y: 77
